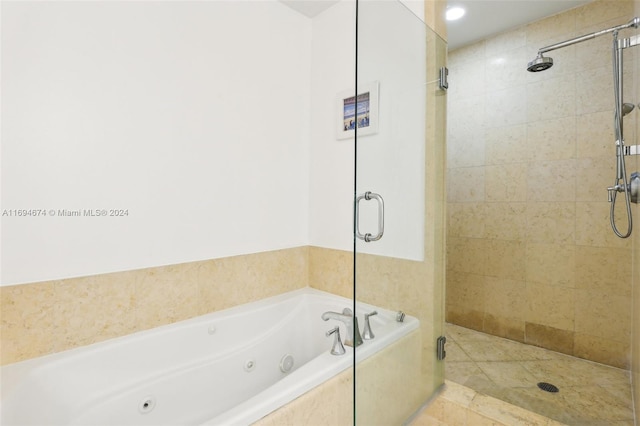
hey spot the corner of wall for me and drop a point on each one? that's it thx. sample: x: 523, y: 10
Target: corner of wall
x: 434, y: 11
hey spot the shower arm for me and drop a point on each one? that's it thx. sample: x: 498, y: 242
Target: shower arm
x: 635, y: 22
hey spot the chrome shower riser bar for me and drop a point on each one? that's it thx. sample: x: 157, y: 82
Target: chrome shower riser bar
x: 630, y: 188
x: 623, y: 44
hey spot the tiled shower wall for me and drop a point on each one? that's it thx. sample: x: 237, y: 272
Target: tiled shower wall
x: 531, y: 255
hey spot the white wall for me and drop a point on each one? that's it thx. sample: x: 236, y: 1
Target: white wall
x: 392, y: 48
x: 212, y: 123
x: 331, y: 161
x: 191, y: 115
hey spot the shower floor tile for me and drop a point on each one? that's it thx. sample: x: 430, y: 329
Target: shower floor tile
x: 590, y: 394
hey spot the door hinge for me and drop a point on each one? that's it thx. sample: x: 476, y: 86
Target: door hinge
x: 443, y: 82
x: 441, y: 353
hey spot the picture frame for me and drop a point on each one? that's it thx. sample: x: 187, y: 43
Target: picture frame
x: 366, y: 118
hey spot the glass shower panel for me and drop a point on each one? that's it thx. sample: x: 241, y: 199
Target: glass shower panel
x: 399, y: 210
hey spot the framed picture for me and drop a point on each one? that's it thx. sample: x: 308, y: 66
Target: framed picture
x: 360, y: 112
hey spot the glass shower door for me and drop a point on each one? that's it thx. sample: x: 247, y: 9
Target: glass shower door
x: 399, y: 241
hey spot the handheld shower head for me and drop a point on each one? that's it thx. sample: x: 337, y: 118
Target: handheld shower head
x: 540, y: 63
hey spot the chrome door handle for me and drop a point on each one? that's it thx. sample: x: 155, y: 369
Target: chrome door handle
x: 370, y: 196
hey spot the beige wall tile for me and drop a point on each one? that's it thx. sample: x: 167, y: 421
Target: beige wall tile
x: 165, y: 295
x: 506, y: 221
x: 311, y: 407
x: 27, y: 321
x: 466, y: 143
x: 595, y: 135
x: 553, y: 27
x: 471, y: 53
x: 473, y: 259
x: 505, y: 107
x: 504, y: 64
x: 507, y: 41
x: 503, y: 297
x: 594, y: 90
x: 593, y: 176
x: 467, y: 79
x: 601, y: 11
x: 42, y: 318
x: 562, y: 89
x: 605, y: 351
x: 466, y: 317
x: 505, y: 145
x: 466, y: 220
x: 553, y: 139
x: 466, y: 290
x: 382, y: 381
x: 331, y: 271
x: 506, y: 182
x: 603, y: 314
x: 604, y: 269
x: 92, y: 309
x: 592, y: 224
x: 549, y: 337
x: 551, y: 264
x: 507, y: 327
x: 506, y: 259
x: 466, y: 184
x: 551, y: 306
x: 551, y: 222
x: 551, y: 180
x: 589, y: 55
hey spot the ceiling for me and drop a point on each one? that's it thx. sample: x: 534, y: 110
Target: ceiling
x: 309, y: 8
x: 483, y: 18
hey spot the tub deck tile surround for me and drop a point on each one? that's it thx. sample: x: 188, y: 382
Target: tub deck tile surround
x: 46, y: 317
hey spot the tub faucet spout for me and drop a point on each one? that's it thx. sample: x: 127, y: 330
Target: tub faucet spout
x: 353, y: 337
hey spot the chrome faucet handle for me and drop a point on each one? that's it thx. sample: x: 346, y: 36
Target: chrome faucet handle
x: 367, y: 334
x: 338, y: 347
x: 353, y: 339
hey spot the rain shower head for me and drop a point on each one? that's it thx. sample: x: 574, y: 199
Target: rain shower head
x: 540, y: 63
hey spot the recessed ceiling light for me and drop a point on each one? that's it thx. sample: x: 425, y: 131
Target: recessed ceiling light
x: 454, y: 13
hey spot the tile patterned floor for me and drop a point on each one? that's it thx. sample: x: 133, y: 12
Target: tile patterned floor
x: 590, y: 394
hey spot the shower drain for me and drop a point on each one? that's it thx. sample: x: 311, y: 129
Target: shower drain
x: 548, y: 387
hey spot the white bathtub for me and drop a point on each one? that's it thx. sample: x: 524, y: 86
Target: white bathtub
x: 222, y: 368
